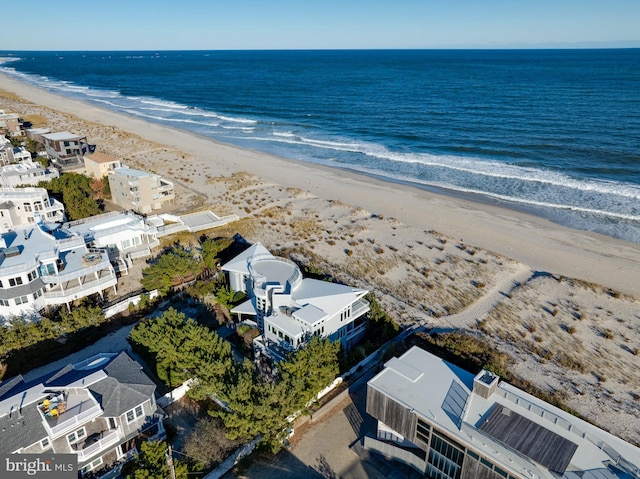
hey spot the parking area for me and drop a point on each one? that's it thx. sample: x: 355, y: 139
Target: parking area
x: 330, y: 449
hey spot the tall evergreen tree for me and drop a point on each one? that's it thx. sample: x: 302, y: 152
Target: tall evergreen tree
x: 183, y: 349
x: 170, y: 268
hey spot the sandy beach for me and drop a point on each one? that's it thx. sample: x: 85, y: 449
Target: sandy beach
x: 563, y: 303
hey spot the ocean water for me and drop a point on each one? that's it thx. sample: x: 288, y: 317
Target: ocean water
x: 552, y: 132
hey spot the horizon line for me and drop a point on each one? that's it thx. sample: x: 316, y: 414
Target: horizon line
x: 479, y: 48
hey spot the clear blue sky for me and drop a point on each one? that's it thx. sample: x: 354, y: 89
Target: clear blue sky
x: 315, y: 24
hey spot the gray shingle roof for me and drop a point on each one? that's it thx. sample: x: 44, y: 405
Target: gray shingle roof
x: 124, y: 387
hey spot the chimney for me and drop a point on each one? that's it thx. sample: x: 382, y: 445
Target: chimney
x: 485, y: 383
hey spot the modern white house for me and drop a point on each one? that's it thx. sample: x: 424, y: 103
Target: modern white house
x: 21, y: 154
x: 289, y: 309
x: 100, y: 409
x: 39, y: 270
x: 26, y: 173
x: 451, y: 424
x: 124, y: 235
x: 139, y: 191
x: 20, y: 206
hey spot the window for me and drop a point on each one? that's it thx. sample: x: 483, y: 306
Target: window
x: 37, y: 294
x: 95, y: 463
x: 32, y: 275
x: 45, y: 444
x: 472, y: 454
x: 423, y: 430
x: 486, y: 463
x: 500, y: 471
x: 4, y: 302
x: 21, y: 300
x: 47, y: 270
x: 15, y: 281
x: 134, y: 413
x: 76, y: 435
x: 445, y: 459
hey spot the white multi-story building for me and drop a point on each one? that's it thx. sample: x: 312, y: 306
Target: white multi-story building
x: 38, y: 270
x: 449, y: 424
x: 124, y: 235
x: 20, y: 206
x: 140, y: 191
x: 26, y: 173
x: 98, y: 409
x: 289, y: 309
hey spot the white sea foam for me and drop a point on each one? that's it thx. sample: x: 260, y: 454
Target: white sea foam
x: 176, y: 120
x: 505, y: 198
x: 167, y: 104
x: 474, y: 166
x: 237, y: 120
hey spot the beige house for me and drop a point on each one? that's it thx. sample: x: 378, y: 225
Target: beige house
x: 139, y: 190
x: 10, y: 124
x: 100, y: 164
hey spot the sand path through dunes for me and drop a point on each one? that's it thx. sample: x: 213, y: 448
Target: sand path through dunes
x: 480, y: 308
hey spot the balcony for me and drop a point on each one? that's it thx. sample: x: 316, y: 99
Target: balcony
x: 102, y: 264
x: 96, y: 443
x: 64, y: 412
x: 59, y: 295
x: 359, y: 308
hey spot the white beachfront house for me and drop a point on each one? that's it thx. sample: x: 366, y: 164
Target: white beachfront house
x: 26, y: 173
x: 123, y: 234
x: 289, y: 309
x: 20, y: 206
x: 39, y: 270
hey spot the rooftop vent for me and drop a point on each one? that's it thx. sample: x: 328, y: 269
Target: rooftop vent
x: 12, y: 251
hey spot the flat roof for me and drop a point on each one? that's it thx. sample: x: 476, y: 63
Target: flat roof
x: 442, y: 394
x: 134, y: 173
x: 62, y: 135
x: 99, y: 157
x: 310, y: 314
x: 288, y: 325
x: 31, y: 241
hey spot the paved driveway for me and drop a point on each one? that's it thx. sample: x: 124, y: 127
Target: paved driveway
x: 325, y: 449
